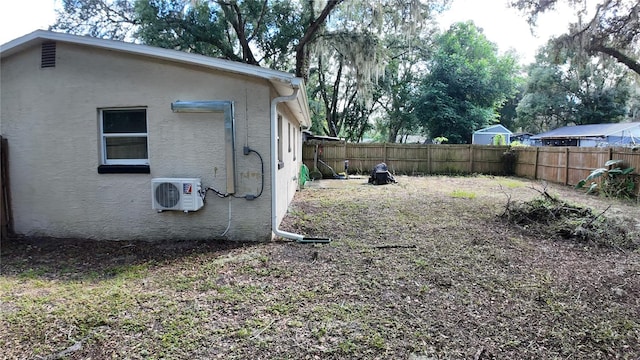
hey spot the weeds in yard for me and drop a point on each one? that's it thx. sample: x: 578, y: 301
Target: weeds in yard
x: 422, y: 263
x: 417, y: 275
x: 510, y: 183
x: 347, y: 346
x: 464, y: 194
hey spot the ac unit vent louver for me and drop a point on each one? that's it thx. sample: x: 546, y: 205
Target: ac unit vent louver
x: 182, y: 194
x: 48, y: 55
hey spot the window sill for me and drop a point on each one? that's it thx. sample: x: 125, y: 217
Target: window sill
x: 124, y: 169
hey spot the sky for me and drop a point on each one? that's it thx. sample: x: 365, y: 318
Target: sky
x: 507, y: 27
x: 503, y: 26
x: 20, y: 17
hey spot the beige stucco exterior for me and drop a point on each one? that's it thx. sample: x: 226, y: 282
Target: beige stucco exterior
x: 50, y: 117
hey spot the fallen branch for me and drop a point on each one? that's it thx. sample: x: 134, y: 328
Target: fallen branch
x: 597, y: 216
x: 508, y: 206
x: 545, y: 193
x: 71, y: 349
x: 64, y: 353
x: 262, y: 330
x: 395, y: 246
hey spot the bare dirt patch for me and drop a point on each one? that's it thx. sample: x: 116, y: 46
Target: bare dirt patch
x: 422, y: 269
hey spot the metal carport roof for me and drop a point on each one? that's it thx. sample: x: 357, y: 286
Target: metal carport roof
x: 587, y: 131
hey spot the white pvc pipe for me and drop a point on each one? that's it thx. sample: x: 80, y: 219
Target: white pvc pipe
x: 274, y: 165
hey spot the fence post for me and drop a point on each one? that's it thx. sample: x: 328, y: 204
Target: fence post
x: 610, y: 153
x: 535, y: 164
x: 3, y: 229
x: 470, y: 158
x: 566, y: 165
x: 385, y: 154
x: 315, y: 157
x: 344, y: 157
x: 429, y: 159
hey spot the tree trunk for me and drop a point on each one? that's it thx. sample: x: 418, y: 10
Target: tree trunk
x: 234, y: 15
x: 302, y: 52
x: 393, y: 135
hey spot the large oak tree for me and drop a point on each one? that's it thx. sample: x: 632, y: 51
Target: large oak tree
x: 338, y: 42
x: 611, y: 28
x: 466, y: 84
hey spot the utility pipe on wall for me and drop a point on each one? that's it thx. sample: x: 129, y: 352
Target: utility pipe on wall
x: 274, y: 164
x: 274, y: 169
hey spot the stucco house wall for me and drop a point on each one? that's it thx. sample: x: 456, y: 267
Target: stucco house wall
x: 50, y: 117
x: 290, y: 142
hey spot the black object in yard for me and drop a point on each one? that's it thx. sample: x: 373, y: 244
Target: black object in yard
x: 380, y: 175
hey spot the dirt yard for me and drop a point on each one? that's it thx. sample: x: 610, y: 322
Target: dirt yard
x: 423, y: 269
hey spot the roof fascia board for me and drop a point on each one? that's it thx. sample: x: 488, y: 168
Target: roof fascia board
x: 493, y: 133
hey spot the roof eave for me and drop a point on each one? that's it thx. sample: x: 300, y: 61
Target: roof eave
x: 277, y: 78
x: 151, y: 51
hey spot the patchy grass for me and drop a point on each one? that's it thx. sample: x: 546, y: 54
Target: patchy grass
x: 412, y: 272
x: 463, y: 194
x: 511, y: 183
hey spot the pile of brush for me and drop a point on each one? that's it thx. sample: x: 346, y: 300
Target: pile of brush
x: 553, y: 218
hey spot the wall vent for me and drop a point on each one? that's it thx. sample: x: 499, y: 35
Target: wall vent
x: 48, y: 55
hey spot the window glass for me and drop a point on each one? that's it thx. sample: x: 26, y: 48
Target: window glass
x: 124, y: 136
x: 295, y: 142
x: 289, y: 136
x: 125, y: 121
x: 126, y: 147
x: 280, y: 157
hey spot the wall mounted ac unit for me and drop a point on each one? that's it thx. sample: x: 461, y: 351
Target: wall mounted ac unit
x: 183, y: 194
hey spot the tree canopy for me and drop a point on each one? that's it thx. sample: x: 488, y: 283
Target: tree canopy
x: 339, y: 47
x: 258, y: 32
x: 569, y: 89
x: 466, y: 83
x: 385, y: 59
x: 610, y: 28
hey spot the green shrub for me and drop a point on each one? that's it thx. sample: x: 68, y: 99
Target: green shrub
x: 614, y: 180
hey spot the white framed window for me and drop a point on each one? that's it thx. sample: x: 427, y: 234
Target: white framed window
x: 280, y: 140
x: 123, y: 136
x: 295, y: 142
x: 289, y: 136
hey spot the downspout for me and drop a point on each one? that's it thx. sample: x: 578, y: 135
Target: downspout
x: 274, y: 171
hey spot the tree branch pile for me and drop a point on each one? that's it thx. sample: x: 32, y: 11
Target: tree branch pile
x: 550, y: 217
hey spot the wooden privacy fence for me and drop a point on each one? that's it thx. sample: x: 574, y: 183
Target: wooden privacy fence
x: 569, y: 165
x: 564, y: 165
x: 410, y: 159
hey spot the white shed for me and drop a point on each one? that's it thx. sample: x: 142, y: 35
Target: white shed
x: 486, y: 135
